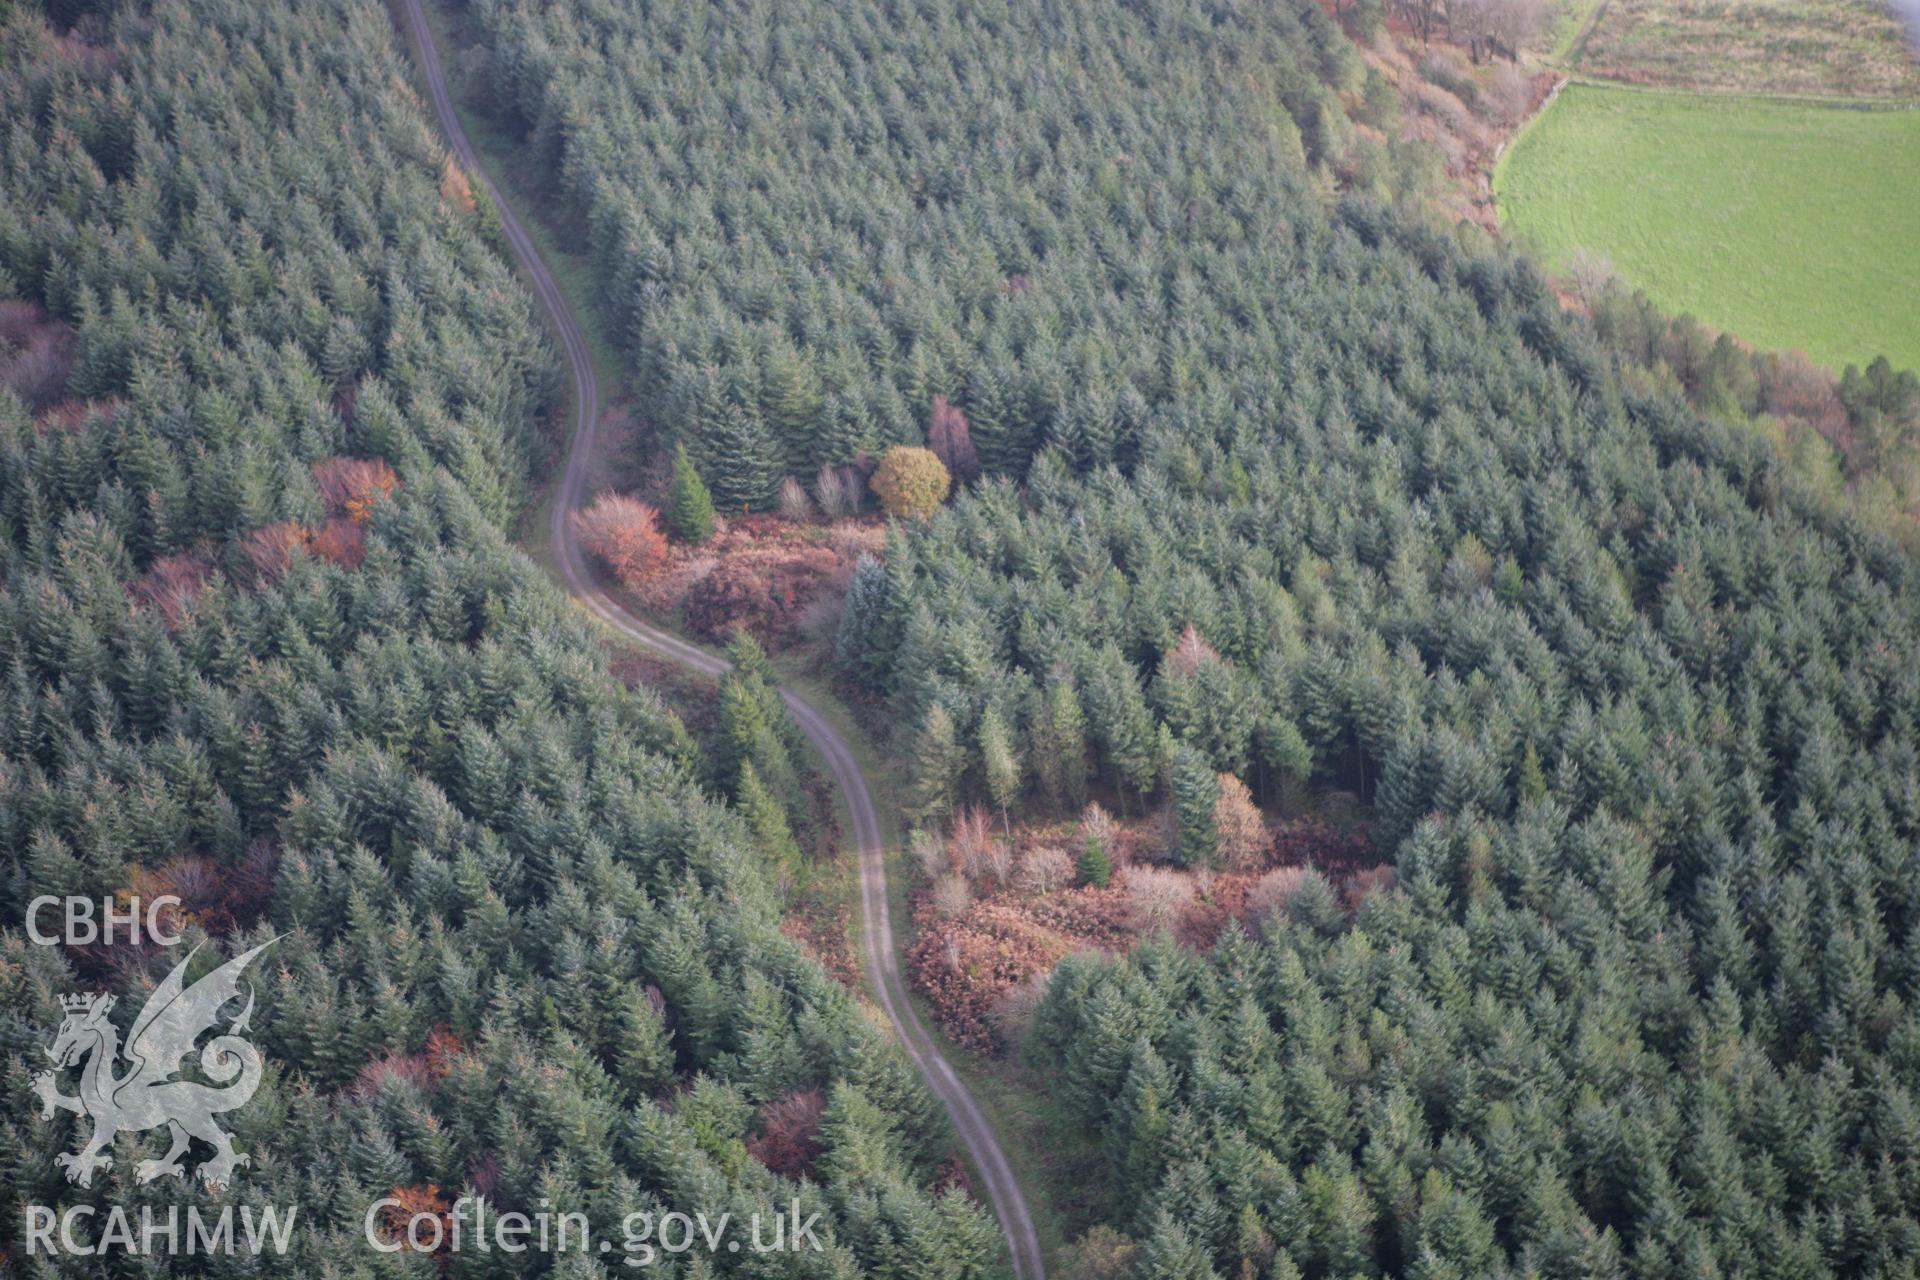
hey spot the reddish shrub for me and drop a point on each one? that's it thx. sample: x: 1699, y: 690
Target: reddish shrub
x: 406, y: 1068
x: 763, y: 591
x: 971, y: 847
x: 1044, y: 870
x: 1012, y: 1014
x: 483, y: 1175
x: 1338, y: 853
x: 269, y: 549
x: 1157, y: 896
x: 219, y: 898
x: 350, y: 486
x: 787, y: 1133
x: 625, y: 534
x: 951, y: 442
x: 443, y: 1046
x: 793, y: 502
x: 1793, y: 387
x: 75, y: 415
x: 1367, y: 882
x: 824, y: 929
x: 966, y: 964
x: 341, y: 541
x: 420, y: 1069
x: 172, y: 584
x: 981, y: 958
x: 830, y: 488
x: 952, y: 895
x: 456, y: 193
x: 1190, y: 652
x: 1272, y: 892
x: 80, y: 47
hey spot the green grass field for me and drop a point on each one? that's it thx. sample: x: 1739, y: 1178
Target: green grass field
x: 1790, y: 224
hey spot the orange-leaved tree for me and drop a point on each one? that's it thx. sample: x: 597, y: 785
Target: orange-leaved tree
x: 268, y: 550
x: 350, y: 486
x: 625, y: 533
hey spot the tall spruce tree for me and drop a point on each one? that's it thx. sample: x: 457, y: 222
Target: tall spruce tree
x: 740, y: 458
x: 689, y: 504
x: 1060, y: 743
x: 936, y: 767
x: 1196, y: 793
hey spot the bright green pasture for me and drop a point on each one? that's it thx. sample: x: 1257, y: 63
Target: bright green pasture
x: 1791, y: 224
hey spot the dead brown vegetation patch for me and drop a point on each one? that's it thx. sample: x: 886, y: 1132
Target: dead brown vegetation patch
x: 983, y: 944
x: 173, y: 584
x: 764, y: 573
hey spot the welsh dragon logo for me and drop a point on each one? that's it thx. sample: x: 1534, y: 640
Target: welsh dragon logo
x: 147, y: 1094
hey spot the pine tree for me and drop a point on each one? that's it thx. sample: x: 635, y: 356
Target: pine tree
x: 768, y: 821
x: 861, y: 1146
x: 936, y: 767
x: 1122, y: 720
x: 792, y: 403
x: 1283, y: 749
x: 994, y: 420
x: 1060, y: 744
x: 1094, y: 867
x: 1531, y: 785
x: 644, y: 1057
x: 749, y: 732
x: 1141, y: 1125
x: 689, y: 505
x: 1196, y: 793
x: 1171, y: 1254
x: 864, y: 645
x: 739, y: 458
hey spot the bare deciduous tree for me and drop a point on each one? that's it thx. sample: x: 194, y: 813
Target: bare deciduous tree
x: 1501, y: 27
x: 951, y: 896
x: 950, y: 439
x: 793, y: 503
x: 1591, y: 275
x: 1044, y: 869
x: 830, y: 491
x: 1155, y: 896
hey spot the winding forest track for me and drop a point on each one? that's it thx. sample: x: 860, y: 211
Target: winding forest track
x: 882, y: 962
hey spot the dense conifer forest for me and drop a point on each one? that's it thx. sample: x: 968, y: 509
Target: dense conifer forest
x: 1283, y: 482
x: 272, y: 397
x: 812, y: 219
x: 1638, y: 726
x: 1259, y: 473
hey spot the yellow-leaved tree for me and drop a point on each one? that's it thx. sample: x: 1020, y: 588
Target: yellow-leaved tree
x: 911, y: 482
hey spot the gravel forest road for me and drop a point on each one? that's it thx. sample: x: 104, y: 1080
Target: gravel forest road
x: 882, y: 961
